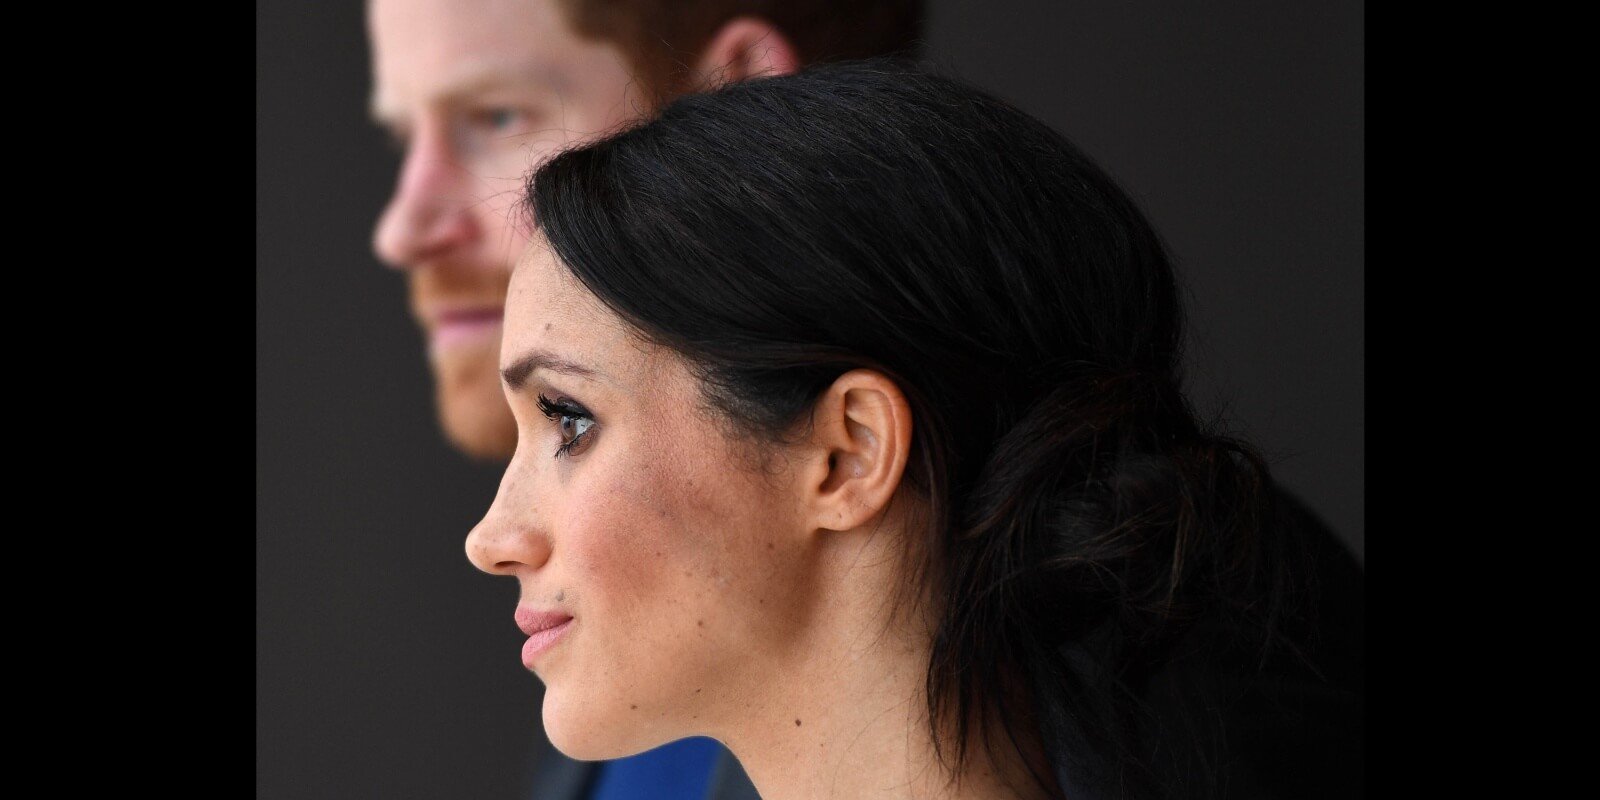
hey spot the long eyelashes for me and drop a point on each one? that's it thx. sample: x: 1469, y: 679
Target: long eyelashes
x: 573, y: 420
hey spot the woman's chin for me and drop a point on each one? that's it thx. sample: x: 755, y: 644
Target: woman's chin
x: 590, y: 736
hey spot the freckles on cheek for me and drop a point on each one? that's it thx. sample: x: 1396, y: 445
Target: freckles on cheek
x: 628, y: 545
x: 610, y: 554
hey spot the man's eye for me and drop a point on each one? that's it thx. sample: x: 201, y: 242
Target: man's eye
x: 498, y: 118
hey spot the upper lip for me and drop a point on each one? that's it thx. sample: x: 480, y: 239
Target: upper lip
x: 531, y: 621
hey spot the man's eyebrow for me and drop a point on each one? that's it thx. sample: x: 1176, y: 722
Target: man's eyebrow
x: 519, y: 370
x: 474, y: 78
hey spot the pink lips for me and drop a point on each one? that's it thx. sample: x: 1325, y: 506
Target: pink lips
x: 544, y: 628
x: 461, y: 325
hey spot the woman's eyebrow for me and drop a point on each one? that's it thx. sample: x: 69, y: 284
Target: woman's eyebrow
x: 518, y: 370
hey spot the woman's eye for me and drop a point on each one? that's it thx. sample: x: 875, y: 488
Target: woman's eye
x: 573, y: 428
x: 573, y: 422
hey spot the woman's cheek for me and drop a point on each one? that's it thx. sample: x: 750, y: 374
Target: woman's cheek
x: 631, y: 551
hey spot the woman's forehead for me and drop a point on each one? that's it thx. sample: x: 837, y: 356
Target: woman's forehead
x: 550, y: 310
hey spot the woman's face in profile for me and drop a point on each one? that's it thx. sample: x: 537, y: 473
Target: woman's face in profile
x: 630, y: 509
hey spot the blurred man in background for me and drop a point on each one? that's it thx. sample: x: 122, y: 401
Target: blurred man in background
x: 475, y: 94
x: 478, y: 92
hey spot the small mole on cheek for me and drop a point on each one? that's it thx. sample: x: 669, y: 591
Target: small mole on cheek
x: 561, y: 595
x: 797, y: 723
x: 700, y: 623
x: 769, y: 545
x: 658, y: 554
x: 634, y: 707
x: 549, y: 325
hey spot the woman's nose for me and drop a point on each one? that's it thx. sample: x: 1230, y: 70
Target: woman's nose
x: 510, y: 539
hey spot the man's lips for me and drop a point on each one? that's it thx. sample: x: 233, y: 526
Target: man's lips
x: 465, y: 324
x: 469, y: 316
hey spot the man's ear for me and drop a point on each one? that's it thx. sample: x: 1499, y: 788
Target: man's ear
x: 745, y: 47
x: 860, y: 443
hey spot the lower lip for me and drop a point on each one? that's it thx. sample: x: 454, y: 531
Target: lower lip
x: 542, y: 641
x: 466, y: 330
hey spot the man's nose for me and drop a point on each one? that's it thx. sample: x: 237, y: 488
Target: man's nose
x: 429, y: 214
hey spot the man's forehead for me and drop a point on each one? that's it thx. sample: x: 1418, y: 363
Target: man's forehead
x: 424, y: 50
x: 467, y: 21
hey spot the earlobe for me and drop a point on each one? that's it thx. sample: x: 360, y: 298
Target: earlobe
x: 861, y: 435
x: 744, y: 48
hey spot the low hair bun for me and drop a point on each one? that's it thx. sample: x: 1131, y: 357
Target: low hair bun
x: 1104, y: 524
x: 1074, y: 496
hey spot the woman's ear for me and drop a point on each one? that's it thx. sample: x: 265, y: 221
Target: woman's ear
x: 746, y: 47
x: 860, y: 442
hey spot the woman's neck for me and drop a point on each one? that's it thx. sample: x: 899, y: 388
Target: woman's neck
x: 845, y: 715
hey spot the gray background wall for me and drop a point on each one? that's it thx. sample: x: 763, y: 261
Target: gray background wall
x: 386, y: 666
